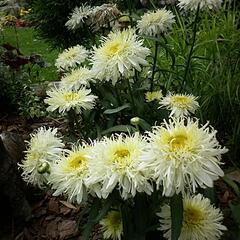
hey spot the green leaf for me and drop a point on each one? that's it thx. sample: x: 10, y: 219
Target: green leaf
x: 176, y: 204
x: 119, y: 128
x: 235, y: 212
x: 91, y: 220
x: 118, y: 109
x: 144, y: 125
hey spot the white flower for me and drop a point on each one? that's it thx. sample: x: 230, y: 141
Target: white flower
x: 180, y: 104
x: 78, y: 17
x: 201, y: 220
x: 155, y: 95
x: 77, y: 78
x: 70, y: 172
x: 103, y: 15
x: 155, y: 22
x: 183, y: 156
x: 203, y: 4
x: 119, y: 54
x: 44, y: 148
x: 71, y: 58
x: 116, y: 165
x: 64, y: 99
x: 112, y: 226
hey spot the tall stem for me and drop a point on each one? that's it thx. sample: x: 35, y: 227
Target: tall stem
x: 154, y: 66
x: 131, y: 95
x: 16, y: 35
x: 191, y: 49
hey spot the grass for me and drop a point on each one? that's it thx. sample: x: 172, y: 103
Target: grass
x: 28, y: 44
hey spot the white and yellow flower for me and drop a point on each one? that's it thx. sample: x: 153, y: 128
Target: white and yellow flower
x: 71, y: 58
x: 64, y: 100
x: 77, y: 78
x: 43, y: 149
x: 155, y: 22
x: 70, y: 172
x: 183, y: 156
x: 78, y: 17
x: 118, y: 55
x: 201, y: 220
x: 203, y: 4
x: 180, y: 104
x: 117, y: 161
x: 112, y: 226
x: 155, y: 95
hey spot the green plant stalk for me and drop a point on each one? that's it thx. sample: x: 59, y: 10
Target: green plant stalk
x: 72, y: 118
x: 154, y: 66
x: 191, y: 49
x: 131, y: 95
x: 16, y: 35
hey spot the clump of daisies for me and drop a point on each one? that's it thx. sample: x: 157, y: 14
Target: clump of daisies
x: 180, y: 104
x: 64, y: 99
x: 183, y: 156
x: 201, y: 220
x: 203, y: 4
x: 154, y: 23
x: 119, y: 54
x: 44, y: 148
x: 93, y: 17
x: 71, y: 58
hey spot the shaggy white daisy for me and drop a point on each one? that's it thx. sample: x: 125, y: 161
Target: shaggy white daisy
x: 116, y: 165
x: 71, y: 58
x: 111, y: 225
x: 183, y: 156
x: 76, y: 78
x: 43, y: 149
x: 69, y: 173
x: 119, y: 54
x: 64, y: 99
x: 180, y: 104
x: 155, y: 22
x: 78, y: 17
x: 203, y: 4
x: 201, y: 220
x: 103, y: 15
x: 155, y: 95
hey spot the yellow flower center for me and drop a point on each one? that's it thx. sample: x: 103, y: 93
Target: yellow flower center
x: 70, y: 96
x: 114, y: 48
x: 178, y: 141
x: 114, y: 220
x: 193, y: 215
x: 181, y: 101
x: 121, y: 158
x: 76, y: 161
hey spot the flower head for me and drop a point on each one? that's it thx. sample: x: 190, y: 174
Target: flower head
x: 70, y: 172
x: 180, y: 104
x: 112, y: 226
x: 43, y: 149
x: 184, y: 156
x: 203, y: 4
x: 151, y: 96
x: 103, y: 15
x: 71, y: 58
x: 76, y: 78
x: 119, y: 54
x: 156, y: 22
x: 78, y: 17
x: 201, y: 220
x: 116, y: 165
x: 64, y: 99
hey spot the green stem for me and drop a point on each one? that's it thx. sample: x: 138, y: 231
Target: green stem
x: 16, y: 35
x: 73, y: 121
x: 131, y: 94
x: 191, y: 49
x: 154, y: 66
